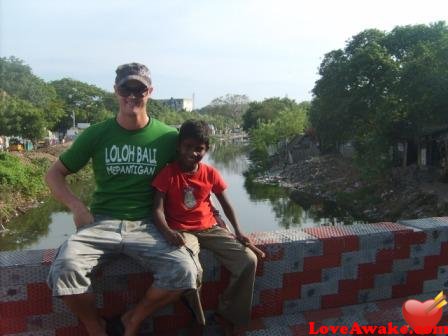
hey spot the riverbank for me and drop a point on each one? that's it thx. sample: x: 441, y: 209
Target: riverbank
x: 22, y: 185
x: 404, y: 194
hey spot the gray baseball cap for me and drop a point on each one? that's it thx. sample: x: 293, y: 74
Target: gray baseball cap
x: 133, y: 71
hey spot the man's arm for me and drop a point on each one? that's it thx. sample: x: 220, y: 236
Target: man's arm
x: 173, y: 237
x: 56, y: 181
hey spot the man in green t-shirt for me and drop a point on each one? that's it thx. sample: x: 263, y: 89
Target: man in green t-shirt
x: 126, y: 153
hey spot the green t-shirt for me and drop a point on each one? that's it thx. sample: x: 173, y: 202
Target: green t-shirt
x: 124, y: 163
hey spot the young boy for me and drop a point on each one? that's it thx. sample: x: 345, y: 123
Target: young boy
x: 184, y: 214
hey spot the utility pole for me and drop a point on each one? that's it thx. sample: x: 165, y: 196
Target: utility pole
x: 73, y: 117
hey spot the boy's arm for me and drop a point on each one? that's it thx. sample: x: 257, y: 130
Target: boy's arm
x: 173, y: 237
x: 230, y: 214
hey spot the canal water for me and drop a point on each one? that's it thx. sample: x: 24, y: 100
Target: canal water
x: 259, y: 207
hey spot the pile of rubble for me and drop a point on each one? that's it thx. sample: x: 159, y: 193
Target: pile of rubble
x: 334, y: 178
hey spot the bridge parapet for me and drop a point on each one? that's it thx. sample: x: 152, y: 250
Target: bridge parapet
x: 304, y: 270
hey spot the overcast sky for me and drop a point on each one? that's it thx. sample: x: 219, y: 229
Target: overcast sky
x: 261, y: 48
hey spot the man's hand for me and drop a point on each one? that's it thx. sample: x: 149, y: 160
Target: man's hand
x: 82, y: 216
x: 56, y: 180
x: 174, y: 237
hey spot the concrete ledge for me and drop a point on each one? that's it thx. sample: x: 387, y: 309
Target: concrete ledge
x: 304, y: 270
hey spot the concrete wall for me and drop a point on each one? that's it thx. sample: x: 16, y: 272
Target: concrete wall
x: 308, y: 269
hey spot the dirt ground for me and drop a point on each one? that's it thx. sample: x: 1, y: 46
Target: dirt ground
x: 438, y: 188
x: 50, y: 153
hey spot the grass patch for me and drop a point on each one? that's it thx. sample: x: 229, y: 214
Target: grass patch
x: 21, y: 176
x: 22, y: 182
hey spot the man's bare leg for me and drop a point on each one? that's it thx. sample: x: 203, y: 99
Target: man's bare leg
x: 84, y: 307
x: 155, y: 298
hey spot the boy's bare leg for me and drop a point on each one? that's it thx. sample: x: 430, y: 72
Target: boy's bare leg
x: 83, y: 306
x: 155, y: 298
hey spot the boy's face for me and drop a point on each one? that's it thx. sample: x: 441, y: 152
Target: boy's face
x: 191, y: 151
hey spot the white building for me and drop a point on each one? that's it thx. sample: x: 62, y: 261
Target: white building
x: 178, y: 104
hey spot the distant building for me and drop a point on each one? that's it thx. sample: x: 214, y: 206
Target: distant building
x: 83, y: 125
x: 72, y: 133
x: 178, y: 104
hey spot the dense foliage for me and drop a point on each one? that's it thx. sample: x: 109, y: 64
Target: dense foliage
x: 20, y: 117
x: 273, y: 121
x: 23, y: 97
x: 229, y: 108
x: 86, y: 103
x: 265, y: 111
x: 29, y: 105
x: 382, y: 88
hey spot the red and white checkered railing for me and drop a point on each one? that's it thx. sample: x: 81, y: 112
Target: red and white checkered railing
x: 304, y: 270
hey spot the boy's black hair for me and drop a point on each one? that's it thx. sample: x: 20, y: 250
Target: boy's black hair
x: 195, y: 129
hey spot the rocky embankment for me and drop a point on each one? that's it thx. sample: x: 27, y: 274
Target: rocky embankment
x: 405, y: 193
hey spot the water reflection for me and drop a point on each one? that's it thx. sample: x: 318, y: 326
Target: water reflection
x: 330, y: 213
x: 259, y: 207
x: 26, y: 230
x: 46, y: 226
x: 229, y: 157
x: 288, y: 213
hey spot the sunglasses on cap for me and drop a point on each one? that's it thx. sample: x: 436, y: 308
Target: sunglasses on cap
x: 137, y: 92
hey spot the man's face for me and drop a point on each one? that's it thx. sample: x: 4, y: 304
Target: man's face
x: 132, y: 97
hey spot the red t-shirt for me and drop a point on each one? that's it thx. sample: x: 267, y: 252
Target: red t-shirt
x: 187, y: 196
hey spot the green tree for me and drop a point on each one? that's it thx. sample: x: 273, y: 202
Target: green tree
x: 382, y: 87
x: 287, y: 123
x: 423, y: 77
x: 86, y: 102
x: 355, y: 85
x: 225, y: 112
x: 21, y: 118
x: 17, y: 79
x: 264, y: 111
x: 230, y: 105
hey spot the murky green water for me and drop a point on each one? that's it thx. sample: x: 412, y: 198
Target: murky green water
x: 259, y: 207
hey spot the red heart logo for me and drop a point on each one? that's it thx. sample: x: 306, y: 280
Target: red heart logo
x: 416, y: 315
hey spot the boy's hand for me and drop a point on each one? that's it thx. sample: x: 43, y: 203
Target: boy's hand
x: 174, y: 238
x: 242, y: 238
x: 219, y: 221
x: 248, y: 243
